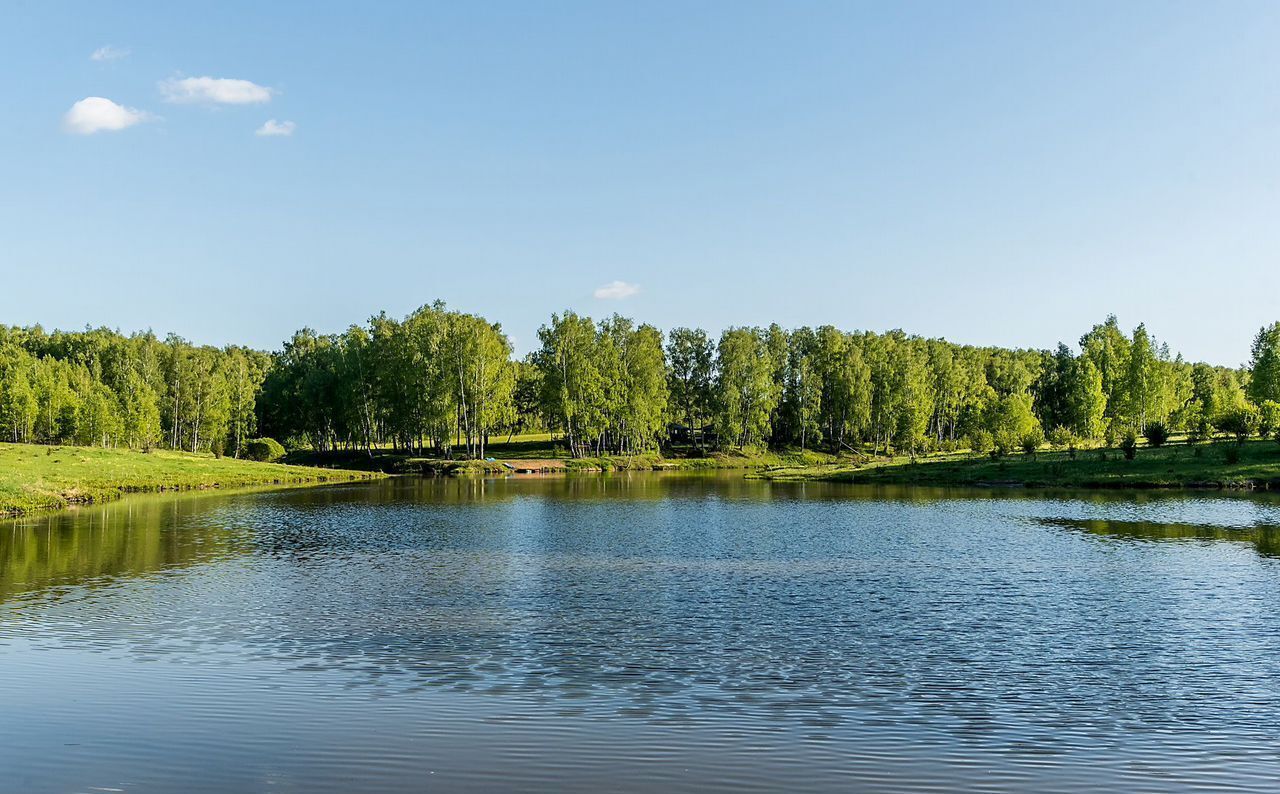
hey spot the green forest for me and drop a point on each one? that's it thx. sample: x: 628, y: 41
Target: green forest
x: 445, y: 383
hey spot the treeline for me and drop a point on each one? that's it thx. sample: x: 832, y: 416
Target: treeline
x: 444, y: 382
x: 827, y: 388
x: 432, y: 381
x: 100, y: 388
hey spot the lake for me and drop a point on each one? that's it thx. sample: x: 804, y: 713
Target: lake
x: 665, y: 632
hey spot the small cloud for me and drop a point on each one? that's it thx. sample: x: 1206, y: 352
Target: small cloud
x: 109, y: 53
x: 616, y: 291
x: 213, y: 91
x: 274, y: 128
x: 96, y: 114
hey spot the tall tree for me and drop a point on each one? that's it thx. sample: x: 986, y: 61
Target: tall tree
x: 745, y: 392
x: 845, y: 403
x: 1108, y: 348
x: 1086, y: 402
x: 1264, y: 365
x: 1142, y: 385
x: 572, y: 387
x: 692, y: 357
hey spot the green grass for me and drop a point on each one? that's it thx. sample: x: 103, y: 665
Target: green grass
x: 528, y: 446
x: 35, y: 477
x: 537, y: 450
x: 1177, y: 466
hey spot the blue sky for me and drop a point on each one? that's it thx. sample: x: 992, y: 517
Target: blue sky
x: 996, y: 173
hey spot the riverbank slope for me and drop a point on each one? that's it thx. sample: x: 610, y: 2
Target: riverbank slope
x: 1254, y: 465
x: 36, y: 477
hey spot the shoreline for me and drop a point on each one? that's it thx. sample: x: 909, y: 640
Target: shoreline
x: 37, y: 479
x: 1212, y: 465
x: 541, y: 462
x: 1221, y: 466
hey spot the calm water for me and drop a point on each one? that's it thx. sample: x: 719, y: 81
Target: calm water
x: 654, y: 632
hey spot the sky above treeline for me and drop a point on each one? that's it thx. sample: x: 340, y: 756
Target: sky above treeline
x: 995, y: 173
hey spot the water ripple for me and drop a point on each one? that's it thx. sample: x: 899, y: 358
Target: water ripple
x: 683, y: 633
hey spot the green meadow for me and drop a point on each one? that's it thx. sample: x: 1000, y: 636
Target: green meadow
x: 1224, y: 464
x: 39, y: 477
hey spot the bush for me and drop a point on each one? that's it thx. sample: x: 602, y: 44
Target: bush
x: 1030, y: 442
x: 1130, y: 445
x: 1199, y: 430
x: 1240, y: 422
x: 1269, y: 419
x: 1157, y: 434
x: 1232, y: 454
x: 980, y: 441
x: 1060, y: 437
x: 265, y: 450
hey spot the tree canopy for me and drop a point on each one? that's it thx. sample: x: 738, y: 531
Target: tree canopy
x: 446, y: 381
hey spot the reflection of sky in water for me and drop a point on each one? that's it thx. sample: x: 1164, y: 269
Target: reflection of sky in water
x: 896, y: 624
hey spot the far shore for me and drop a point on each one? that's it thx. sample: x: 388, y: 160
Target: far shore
x: 36, y: 478
x: 1219, y: 464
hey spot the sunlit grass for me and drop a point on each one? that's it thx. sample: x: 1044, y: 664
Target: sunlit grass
x: 37, y: 477
x: 1257, y: 463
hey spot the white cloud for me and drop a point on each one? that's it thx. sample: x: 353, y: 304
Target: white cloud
x: 273, y: 128
x: 96, y: 114
x: 616, y: 291
x: 214, y: 90
x: 109, y: 53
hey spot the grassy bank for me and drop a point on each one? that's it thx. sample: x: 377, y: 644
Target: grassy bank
x: 35, y: 477
x: 1178, y: 466
x: 537, y: 453
x: 719, y: 460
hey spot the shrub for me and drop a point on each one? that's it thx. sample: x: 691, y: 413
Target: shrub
x: 1232, y: 454
x: 1157, y: 434
x: 263, y: 449
x: 1130, y: 445
x: 1060, y: 437
x: 1269, y: 418
x: 980, y: 441
x: 1199, y: 430
x: 1240, y: 422
x: 1030, y: 442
